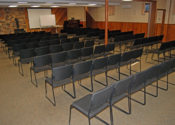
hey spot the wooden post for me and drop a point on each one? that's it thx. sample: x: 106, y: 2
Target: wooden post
x: 106, y: 22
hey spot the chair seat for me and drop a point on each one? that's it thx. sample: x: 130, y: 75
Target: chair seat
x: 58, y: 64
x: 40, y: 69
x: 58, y: 83
x: 81, y: 76
x: 99, y: 71
x: 26, y: 60
x: 117, y: 98
x: 83, y: 105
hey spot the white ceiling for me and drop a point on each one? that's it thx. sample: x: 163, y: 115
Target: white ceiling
x: 49, y: 3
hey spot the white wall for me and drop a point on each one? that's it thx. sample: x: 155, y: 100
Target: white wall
x: 76, y: 13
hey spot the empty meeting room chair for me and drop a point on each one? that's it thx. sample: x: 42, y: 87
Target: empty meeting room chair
x: 86, y: 53
x: 89, y: 43
x: 67, y: 46
x: 55, y: 48
x: 92, y: 104
x: 122, y: 90
x: 78, y: 45
x: 98, y: 67
x: 59, y: 59
x: 60, y: 77
x: 113, y: 62
x: 40, y: 64
x: 130, y: 57
x: 109, y: 48
x: 81, y: 71
x: 74, y: 56
x: 42, y: 51
x: 26, y: 56
x: 99, y: 51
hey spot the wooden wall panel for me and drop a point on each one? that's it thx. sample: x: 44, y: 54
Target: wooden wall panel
x: 170, y: 32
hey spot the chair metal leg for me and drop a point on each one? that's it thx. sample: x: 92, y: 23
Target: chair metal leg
x: 111, y: 115
x: 70, y: 111
x: 20, y: 69
x: 144, y: 102
x: 91, y: 89
x: 165, y: 89
x: 53, y: 102
x: 89, y: 121
x: 74, y: 93
x: 36, y: 82
x: 156, y: 95
x: 100, y: 82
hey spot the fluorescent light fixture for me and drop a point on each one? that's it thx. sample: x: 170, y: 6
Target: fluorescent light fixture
x: 54, y: 6
x: 13, y: 6
x: 126, y: 0
x: 72, y: 3
x: 35, y: 6
x: 22, y: 2
x: 92, y: 4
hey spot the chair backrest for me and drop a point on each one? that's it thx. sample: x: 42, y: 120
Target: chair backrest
x: 67, y: 46
x: 122, y: 87
x: 99, y: 63
x: 79, y: 45
x: 88, y: 51
x: 89, y: 43
x: 137, y: 53
x: 42, y: 50
x: 74, y: 54
x: 99, y: 49
x: 139, y: 81
x: 55, y: 48
x: 61, y: 73
x: 59, y: 57
x: 109, y: 47
x: 100, y: 98
x: 126, y: 56
x: 82, y: 68
x: 114, y: 60
x: 40, y: 61
x: 27, y: 53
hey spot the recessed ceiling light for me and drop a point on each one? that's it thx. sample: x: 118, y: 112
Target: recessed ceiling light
x: 13, y: 6
x: 35, y: 6
x: 54, y: 6
x: 92, y: 4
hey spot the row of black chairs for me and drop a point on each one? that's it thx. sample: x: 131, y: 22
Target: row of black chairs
x: 62, y: 75
x: 91, y: 105
x: 27, y: 56
x: 164, y: 48
x: 20, y: 51
x: 148, y: 41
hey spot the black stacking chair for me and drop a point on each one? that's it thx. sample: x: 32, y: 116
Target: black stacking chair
x: 114, y: 63
x: 86, y: 53
x: 92, y: 104
x: 120, y: 91
x: 42, y: 51
x: 54, y: 42
x: 89, y: 43
x: 67, y: 46
x: 74, y: 56
x: 43, y: 43
x: 131, y: 57
x: 40, y: 64
x: 78, y: 45
x: 81, y: 71
x: 59, y: 59
x: 64, y: 40
x: 26, y: 56
x: 98, y: 67
x: 16, y: 51
x: 109, y: 48
x: 99, y: 50
x: 60, y: 77
x: 55, y: 48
